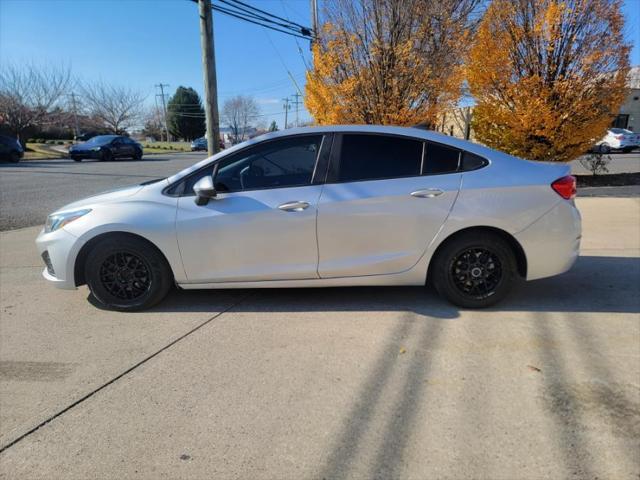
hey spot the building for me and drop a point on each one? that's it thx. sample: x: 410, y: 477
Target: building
x: 629, y: 115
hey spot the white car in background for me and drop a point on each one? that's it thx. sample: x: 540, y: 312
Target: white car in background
x: 618, y: 139
x: 324, y: 207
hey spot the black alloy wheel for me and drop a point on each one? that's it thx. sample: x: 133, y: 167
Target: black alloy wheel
x: 476, y: 272
x: 127, y: 273
x: 474, y: 269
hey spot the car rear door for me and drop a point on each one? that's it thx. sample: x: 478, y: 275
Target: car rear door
x: 262, y: 225
x: 385, y: 199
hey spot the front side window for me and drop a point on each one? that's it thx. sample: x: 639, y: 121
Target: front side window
x: 277, y: 164
x: 371, y: 157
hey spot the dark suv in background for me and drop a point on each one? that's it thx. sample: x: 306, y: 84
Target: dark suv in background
x: 10, y: 149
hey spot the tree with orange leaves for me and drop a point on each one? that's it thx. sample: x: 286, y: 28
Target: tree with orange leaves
x: 389, y: 62
x: 547, y: 75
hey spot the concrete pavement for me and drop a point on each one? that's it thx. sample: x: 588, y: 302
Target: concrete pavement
x: 329, y: 383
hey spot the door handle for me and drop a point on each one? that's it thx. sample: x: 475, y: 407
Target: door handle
x: 293, y: 206
x: 427, y: 193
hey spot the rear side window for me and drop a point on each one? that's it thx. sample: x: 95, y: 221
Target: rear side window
x: 471, y: 161
x: 440, y: 159
x: 371, y: 157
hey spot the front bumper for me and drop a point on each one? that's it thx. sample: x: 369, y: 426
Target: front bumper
x: 61, y: 248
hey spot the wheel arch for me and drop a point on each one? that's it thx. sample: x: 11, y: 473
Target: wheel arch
x: 521, y: 257
x: 81, y: 258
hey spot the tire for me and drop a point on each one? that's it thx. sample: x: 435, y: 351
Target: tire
x: 14, y: 157
x: 474, y: 270
x: 604, y: 148
x: 106, y: 155
x: 137, y: 155
x: 126, y: 273
x: 76, y: 159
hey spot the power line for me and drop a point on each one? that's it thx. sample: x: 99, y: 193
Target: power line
x: 218, y: 9
x: 272, y: 15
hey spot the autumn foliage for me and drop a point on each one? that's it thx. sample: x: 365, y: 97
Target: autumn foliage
x: 547, y: 75
x: 390, y: 62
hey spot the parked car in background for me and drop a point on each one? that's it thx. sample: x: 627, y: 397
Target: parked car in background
x: 106, y: 147
x: 618, y: 139
x: 199, y: 144
x: 324, y: 207
x: 10, y: 149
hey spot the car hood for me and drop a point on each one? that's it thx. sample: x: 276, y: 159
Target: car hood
x: 104, y: 197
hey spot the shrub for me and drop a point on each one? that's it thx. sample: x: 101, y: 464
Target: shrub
x: 60, y: 142
x: 31, y: 140
x: 596, y: 162
x: 40, y: 140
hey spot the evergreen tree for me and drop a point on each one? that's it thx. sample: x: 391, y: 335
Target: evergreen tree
x: 185, y: 114
x: 273, y: 127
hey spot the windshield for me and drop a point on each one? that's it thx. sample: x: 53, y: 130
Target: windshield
x: 101, y: 139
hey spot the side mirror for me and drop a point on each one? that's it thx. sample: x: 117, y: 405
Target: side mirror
x: 204, y: 190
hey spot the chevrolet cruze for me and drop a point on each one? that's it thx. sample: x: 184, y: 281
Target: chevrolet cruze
x: 324, y: 207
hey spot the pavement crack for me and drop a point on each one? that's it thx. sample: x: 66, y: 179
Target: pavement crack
x: 121, y: 375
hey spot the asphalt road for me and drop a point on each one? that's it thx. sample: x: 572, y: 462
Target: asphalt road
x: 30, y: 190
x: 329, y: 383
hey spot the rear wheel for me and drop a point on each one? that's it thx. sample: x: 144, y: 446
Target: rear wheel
x: 604, y: 148
x: 77, y: 159
x: 14, y: 157
x: 137, y: 155
x: 127, y: 273
x: 474, y: 270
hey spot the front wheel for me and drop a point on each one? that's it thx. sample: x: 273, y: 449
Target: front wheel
x: 106, y: 155
x: 127, y: 273
x: 137, y: 155
x: 474, y: 270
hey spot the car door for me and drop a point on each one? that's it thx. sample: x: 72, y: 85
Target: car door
x: 385, y: 199
x: 117, y: 147
x: 262, y: 224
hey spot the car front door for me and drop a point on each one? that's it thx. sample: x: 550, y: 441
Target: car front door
x: 262, y: 223
x: 385, y: 199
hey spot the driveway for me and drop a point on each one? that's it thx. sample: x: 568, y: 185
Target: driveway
x: 329, y: 383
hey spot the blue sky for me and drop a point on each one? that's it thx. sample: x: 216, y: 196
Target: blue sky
x: 145, y: 42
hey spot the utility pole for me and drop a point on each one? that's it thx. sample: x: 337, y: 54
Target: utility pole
x: 314, y: 22
x: 164, y: 107
x: 75, y: 115
x: 210, y: 81
x: 296, y: 102
x: 286, y: 111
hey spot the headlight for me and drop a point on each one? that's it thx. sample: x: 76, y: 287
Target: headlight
x: 56, y: 221
x: 96, y: 149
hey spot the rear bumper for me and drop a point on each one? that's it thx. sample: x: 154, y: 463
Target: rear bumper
x: 552, y: 243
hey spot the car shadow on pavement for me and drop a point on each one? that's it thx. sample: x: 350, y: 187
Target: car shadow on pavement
x: 594, y: 284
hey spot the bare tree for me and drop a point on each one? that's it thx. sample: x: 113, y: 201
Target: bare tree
x: 154, y: 123
x: 117, y: 107
x: 29, y: 94
x: 238, y: 113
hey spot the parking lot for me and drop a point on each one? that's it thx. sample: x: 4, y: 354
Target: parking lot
x: 316, y: 383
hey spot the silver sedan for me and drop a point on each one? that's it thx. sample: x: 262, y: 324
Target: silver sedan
x: 324, y: 207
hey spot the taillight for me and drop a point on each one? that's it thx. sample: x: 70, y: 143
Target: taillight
x: 618, y: 137
x: 565, y: 187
